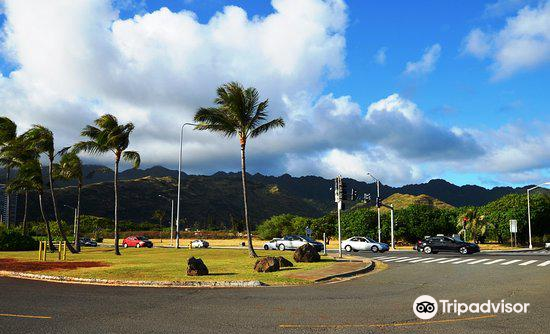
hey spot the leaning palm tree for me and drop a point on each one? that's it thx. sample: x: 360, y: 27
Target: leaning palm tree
x: 40, y: 139
x: 238, y: 113
x: 472, y: 220
x: 70, y: 167
x: 109, y: 136
x: 8, y: 133
x: 29, y: 179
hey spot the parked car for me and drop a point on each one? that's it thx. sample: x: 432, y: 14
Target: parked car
x: 199, y: 243
x: 547, y: 246
x: 295, y: 241
x: 364, y: 244
x: 446, y: 244
x: 271, y: 244
x: 135, y: 241
x: 87, y: 242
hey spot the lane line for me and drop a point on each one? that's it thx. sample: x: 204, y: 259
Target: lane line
x: 479, y: 261
x: 495, y: 261
x: 436, y: 259
x: 509, y: 262
x: 24, y: 316
x: 464, y: 261
x: 544, y: 264
x: 398, y: 324
x: 527, y: 262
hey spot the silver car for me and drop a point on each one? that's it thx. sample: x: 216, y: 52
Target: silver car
x: 364, y: 244
x: 199, y: 244
x: 295, y: 241
x: 271, y: 244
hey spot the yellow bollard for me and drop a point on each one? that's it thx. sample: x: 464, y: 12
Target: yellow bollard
x: 40, y: 251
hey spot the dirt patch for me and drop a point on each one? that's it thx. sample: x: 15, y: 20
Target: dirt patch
x: 16, y: 265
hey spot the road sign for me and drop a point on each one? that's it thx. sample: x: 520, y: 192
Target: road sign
x: 308, y: 231
x: 513, y: 226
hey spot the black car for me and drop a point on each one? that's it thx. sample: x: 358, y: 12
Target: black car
x: 87, y: 242
x: 446, y: 244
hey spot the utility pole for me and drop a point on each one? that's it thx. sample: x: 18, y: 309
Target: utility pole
x: 340, y: 195
x: 377, y: 198
x: 392, y: 240
x: 179, y: 184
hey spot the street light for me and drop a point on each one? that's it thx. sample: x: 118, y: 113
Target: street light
x: 529, y: 209
x: 179, y: 185
x: 378, y: 196
x: 74, y: 223
x: 171, y: 219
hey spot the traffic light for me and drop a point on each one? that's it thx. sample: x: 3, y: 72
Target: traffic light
x: 353, y: 195
x: 343, y: 190
x: 378, y: 202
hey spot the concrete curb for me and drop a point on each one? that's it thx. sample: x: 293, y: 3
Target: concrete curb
x: 363, y: 270
x: 152, y: 284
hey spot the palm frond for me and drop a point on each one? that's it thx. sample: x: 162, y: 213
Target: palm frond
x: 91, y: 147
x: 133, y: 157
x: 107, y: 121
x: 276, y: 123
x: 8, y: 130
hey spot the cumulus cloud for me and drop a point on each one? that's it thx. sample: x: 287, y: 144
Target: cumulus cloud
x: 522, y: 44
x: 427, y: 62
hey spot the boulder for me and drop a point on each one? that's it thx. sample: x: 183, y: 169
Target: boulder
x: 284, y: 262
x: 195, y: 267
x: 306, y: 253
x: 267, y: 264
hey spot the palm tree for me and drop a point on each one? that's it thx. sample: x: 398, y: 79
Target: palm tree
x: 70, y: 167
x: 29, y: 179
x: 159, y: 214
x: 472, y: 220
x: 8, y: 133
x: 238, y: 113
x: 40, y: 139
x: 109, y: 136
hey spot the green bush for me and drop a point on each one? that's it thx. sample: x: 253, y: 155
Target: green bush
x: 15, y: 241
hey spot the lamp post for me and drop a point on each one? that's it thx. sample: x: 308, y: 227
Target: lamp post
x: 75, y: 232
x: 378, y: 196
x: 179, y: 185
x: 529, y: 210
x: 171, y: 219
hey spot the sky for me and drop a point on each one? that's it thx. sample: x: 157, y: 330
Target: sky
x: 406, y: 90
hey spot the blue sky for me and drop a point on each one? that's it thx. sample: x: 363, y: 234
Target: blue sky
x: 450, y: 89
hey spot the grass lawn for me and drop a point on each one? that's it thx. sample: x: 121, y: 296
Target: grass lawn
x: 159, y: 264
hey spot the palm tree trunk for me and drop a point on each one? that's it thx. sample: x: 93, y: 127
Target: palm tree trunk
x: 48, y: 231
x: 25, y: 213
x: 61, y: 231
x: 77, y: 222
x: 7, y: 199
x: 245, y: 199
x: 117, y: 250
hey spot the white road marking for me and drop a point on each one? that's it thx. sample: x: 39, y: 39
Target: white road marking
x: 420, y: 260
x: 509, y: 262
x: 385, y: 257
x: 527, y: 262
x: 479, y: 261
x: 397, y: 258
x: 495, y: 261
x: 436, y: 259
x: 464, y: 261
x: 544, y: 264
x: 405, y: 259
x: 450, y: 260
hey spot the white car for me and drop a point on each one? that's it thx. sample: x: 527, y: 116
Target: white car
x: 271, y: 244
x: 364, y: 244
x: 295, y: 241
x: 199, y: 244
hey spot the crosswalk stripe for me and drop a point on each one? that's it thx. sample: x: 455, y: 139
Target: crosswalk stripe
x: 406, y: 259
x: 397, y: 258
x: 383, y: 258
x: 479, y: 261
x: 450, y: 260
x: 436, y: 259
x: 495, y: 261
x: 509, y: 262
x: 464, y: 261
x: 544, y: 264
x: 527, y: 262
x: 420, y: 260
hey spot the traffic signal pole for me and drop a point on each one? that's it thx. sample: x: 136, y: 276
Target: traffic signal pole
x: 339, y: 231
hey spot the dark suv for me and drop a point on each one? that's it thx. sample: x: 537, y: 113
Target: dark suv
x: 446, y: 244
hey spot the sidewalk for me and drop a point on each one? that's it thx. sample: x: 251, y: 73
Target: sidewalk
x: 338, y: 269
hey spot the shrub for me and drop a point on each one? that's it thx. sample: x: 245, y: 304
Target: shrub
x: 15, y: 241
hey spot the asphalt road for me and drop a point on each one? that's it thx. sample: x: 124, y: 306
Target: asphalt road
x: 376, y: 303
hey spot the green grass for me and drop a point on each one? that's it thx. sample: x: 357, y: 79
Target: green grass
x: 160, y: 264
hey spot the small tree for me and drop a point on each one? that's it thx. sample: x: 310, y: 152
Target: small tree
x: 70, y: 167
x: 159, y: 215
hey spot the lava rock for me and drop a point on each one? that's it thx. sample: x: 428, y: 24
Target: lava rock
x: 267, y: 264
x: 306, y: 253
x: 195, y: 267
x: 284, y: 262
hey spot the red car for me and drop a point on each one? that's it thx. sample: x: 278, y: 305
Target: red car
x: 133, y: 241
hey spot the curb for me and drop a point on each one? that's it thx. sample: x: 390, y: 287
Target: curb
x: 363, y: 270
x: 152, y: 284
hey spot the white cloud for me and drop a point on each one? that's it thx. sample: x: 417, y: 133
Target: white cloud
x: 427, y: 62
x: 380, y: 56
x: 522, y: 44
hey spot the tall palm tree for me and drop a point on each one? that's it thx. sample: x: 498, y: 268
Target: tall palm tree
x: 110, y: 136
x: 41, y: 140
x: 8, y: 133
x: 474, y: 222
x: 29, y: 179
x: 70, y: 167
x: 238, y: 113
